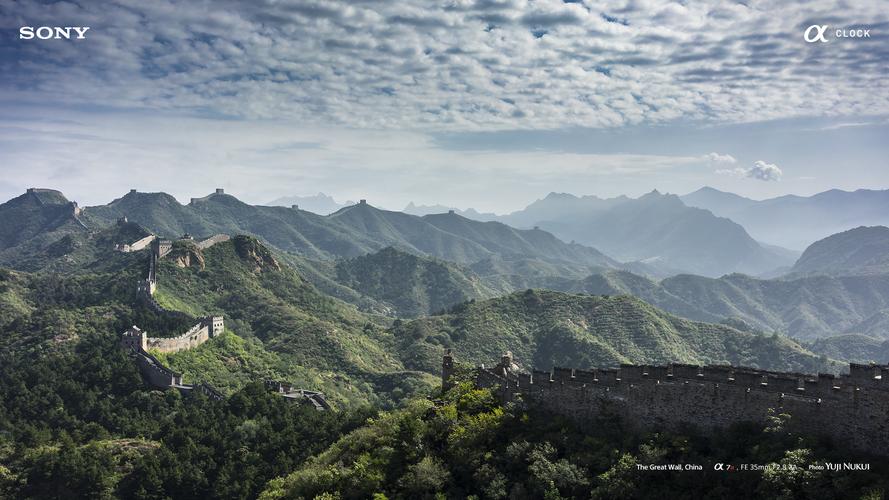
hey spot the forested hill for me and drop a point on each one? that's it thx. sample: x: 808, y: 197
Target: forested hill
x: 807, y: 307
x: 293, y: 331
x: 410, y: 284
x: 859, y: 251
x: 32, y: 223
x: 545, y: 328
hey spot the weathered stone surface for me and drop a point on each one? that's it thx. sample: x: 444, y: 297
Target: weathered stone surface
x: 852, y: 409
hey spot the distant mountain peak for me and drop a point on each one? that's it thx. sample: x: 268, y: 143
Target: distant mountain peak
x: 560, y: 196
x: 47, y: 196
x: 320, y: 203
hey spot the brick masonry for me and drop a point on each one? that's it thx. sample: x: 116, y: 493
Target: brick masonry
x: 852, y: 409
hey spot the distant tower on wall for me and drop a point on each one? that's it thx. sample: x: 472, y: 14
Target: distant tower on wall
x: 362, y: 202
x: 220, y: 191
x: 134, y: 339
x: 447, y: 370
x: 216, y: 325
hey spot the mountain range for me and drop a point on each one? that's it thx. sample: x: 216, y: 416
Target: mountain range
x: 657, y: 230
x: 805, y: 308
x: 797, y: 221
x: 406, y: 266
x: 350, y: 232
x: 769, y: 234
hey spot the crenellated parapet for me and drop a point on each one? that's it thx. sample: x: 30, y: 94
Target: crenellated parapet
x: 852, y: 408
x: 207, y: 328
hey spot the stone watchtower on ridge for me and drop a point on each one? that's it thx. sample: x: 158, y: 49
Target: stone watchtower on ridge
x: 134, y: 339
x: 447, y: 370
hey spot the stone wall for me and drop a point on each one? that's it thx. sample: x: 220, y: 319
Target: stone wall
x: 207, y: 328
x: 209, y: 242
x: 195, y: 336
x: 137, y: 245
x: 155, y: 373
x: 852, y: 409
x: 135, y: 342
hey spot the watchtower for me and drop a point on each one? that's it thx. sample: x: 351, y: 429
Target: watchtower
x: 134, y: 339
x: 447, y: 370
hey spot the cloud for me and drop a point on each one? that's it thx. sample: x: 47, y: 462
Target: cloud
x: 718, y: 158
x: 760, y: 170
x: 263, y: 160
x: 764, y: 171
x: 457, y: 65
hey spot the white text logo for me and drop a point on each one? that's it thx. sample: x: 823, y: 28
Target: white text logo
x: 53, y: 32
x: 815, y: 33
x: 819, y: 33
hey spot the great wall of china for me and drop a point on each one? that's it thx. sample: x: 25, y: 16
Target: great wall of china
x: 137, y: 342
x: 852, y: 409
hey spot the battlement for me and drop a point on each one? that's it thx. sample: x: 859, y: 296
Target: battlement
x: 135, y: 246
x: 209, y: 242
x: 850, y: 408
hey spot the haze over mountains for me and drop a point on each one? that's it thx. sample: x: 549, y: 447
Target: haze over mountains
x: 320, y: 203
x: 656, y: 229
x: 797, y: 221
x: 739, y: 235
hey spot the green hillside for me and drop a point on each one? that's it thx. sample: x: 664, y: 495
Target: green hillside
x: 859, y: 251
x: 269, y: 303
x: 509, y: 242
x: 544, y: 328
x: 412, y: 285
x: 37, y: 227
x: 855, y: 348
x: 803, y: 308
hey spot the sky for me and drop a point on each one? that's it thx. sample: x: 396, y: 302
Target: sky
x: 488, y: 104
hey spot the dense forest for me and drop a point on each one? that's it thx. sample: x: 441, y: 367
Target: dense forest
x: 82, y: 425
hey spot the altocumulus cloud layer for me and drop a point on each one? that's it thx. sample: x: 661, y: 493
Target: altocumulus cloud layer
x: 453, y: 65
x: 484, y: 103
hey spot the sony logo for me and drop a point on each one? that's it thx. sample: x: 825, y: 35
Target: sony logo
x: 56, y: 32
